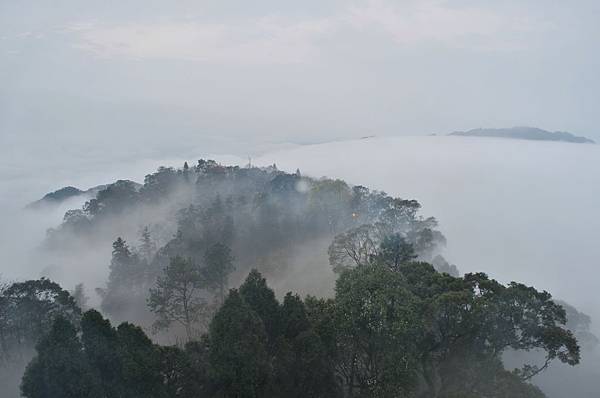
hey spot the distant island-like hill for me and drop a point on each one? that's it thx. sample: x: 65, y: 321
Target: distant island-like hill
x: 59, y: 196
x: 525, y: 133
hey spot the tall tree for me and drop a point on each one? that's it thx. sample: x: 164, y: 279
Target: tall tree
x: 101, y: 345
x: 394, y: 251
x: 125, y: 286
x: 218, y: 264
x: 141, y: 372
x: 378, y: 323
x: 261, y: 299
x: 28, y: 310
x: 177, y: 296
x: 353, y: 248
x: 147, y: 247
x: 238, y: 349
x: 60, y: 369
x: 302, y: 367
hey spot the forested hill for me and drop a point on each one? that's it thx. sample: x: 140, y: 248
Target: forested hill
x: 61, y: 195
x: 269, y: 218
x: 525, y: 133
x: 202, y: 258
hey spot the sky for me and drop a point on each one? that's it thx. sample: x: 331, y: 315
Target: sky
x: 155, y: 78
x: 99, y: 90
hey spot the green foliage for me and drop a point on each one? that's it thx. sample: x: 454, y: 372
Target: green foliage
x: 185, y: 371
x: 301, y: 366
x: 378, y: 326
x: 262, y: 301
x: 239, y: 361
x: 103, y: 362
x: 27, y: 312
x: 396, y: 326
x: 389, y: 331
x: 394, y: 251
x: 260, y: 213
x: 140, y: 364
x: 291, y: 362
x: 114, y: 199
x: 60, y: 369
x: 101, y: 344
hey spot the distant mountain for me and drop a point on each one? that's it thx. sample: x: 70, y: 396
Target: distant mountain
x: 57, y: 197
x: 525, y: 133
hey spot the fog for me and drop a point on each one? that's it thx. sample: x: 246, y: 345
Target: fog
x: 518, y: 210
x: 92, y: 94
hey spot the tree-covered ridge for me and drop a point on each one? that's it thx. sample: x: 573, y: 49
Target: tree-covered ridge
x: 388, y: 332
x: 400, y: 321
x: 263, y: 216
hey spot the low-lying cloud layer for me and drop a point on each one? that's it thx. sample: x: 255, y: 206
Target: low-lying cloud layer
x: 518, y: 210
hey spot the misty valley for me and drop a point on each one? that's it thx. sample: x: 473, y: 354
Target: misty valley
x: 246, y: 281
x: 313, y: 199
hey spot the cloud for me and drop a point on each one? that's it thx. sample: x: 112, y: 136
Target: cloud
x: 279, y: 39
x: 432, y: 21
x: 267, y: 40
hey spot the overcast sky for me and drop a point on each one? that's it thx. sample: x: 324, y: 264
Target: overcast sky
x: 85, y: 80
x: 301, y: 71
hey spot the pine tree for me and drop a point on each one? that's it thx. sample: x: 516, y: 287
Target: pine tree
x: 262, y: 300
x: 147, y: 246
x: 238, y: 349
x: 100, y: 342
x: 60, y: 369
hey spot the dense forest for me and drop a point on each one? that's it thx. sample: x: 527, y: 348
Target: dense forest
x: 196, y: 301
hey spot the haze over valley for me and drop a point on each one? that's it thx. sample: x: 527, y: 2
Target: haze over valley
x: 326, y: 199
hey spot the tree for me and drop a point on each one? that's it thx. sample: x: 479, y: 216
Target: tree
x: 27, y: 312
x: 177, y: 296
x: 394, y: 251
x: 60, y: 369
x: 126, y: 282
x: 185, y: 371
x: 218, y: 264
x: 101, y: 345
x: 302, y: 367
x: 141, y: 370
x: 367, y: 243
x: 262, y: 301
x: 113, y: 199
x: 469, y: 323
x: 147, y: 247
x: 378, y: 322
x: 238, y: 349
x: 353, y: 248
x: 186, y: 172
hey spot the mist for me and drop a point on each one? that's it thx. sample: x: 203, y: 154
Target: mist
x: 517, y: 210
x: 363, y: 91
